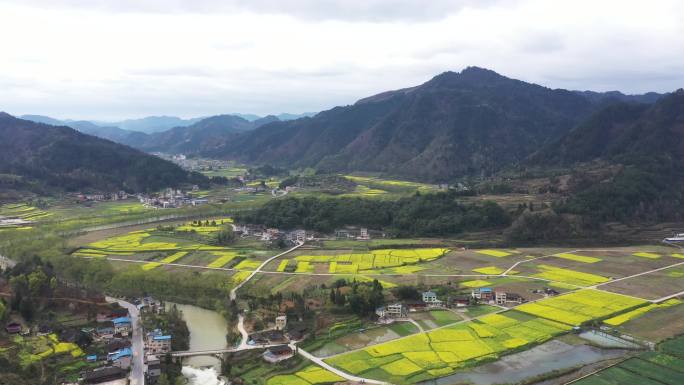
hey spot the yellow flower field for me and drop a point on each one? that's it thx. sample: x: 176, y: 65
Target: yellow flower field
x: 494, y: 253
x: 282, y: 265
x: 170, y: 259
x: 398, y: 259
x: 311, y: 375
x: 489, y: 270
x: 475, y: 283
x: 247, y: 264
x: 442, y: 351
x: 568, y: 276
x: 581, y: 306
x: 223, y: 258
x: 647, y: 255
x: 240, y: 276
x: 578, y: 258
x: 622, y: 318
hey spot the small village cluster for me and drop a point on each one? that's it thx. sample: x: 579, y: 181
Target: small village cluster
x: 485, y: 295
x: 112, y: 336
x: 273, y: 234
x: 172, y: 198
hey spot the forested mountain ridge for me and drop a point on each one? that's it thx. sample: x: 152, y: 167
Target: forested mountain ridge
x: 41, y: 156
x: 642, y: 144
x: 470, y: 123
x: 202, y: 135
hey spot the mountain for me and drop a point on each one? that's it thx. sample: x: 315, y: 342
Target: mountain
x: 112, y: 133
x: 470, y: 123
x: 151, y: 124
x: 617, y: 96
x: 621, y: 131
x: 41, y: 156
x: 203, y: 135
x: 626, y: 161
x: 286, y: 116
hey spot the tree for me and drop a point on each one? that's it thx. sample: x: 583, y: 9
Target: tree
x: 226, y: 236
x: 2, y: 310
x: 407, y: 292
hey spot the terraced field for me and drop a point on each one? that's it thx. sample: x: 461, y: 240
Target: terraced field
x: 189, y: 244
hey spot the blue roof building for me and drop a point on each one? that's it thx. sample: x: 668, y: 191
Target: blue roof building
x: 121, y: 320
x: 125, y: 352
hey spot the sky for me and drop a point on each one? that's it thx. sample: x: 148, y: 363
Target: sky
x: 109, y: 60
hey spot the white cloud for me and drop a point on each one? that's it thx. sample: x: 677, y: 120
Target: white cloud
x: 115, y: 59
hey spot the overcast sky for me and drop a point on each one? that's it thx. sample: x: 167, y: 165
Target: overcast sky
x: 97, y: 59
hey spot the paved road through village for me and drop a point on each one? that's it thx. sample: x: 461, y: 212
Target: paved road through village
x: 137, y: 375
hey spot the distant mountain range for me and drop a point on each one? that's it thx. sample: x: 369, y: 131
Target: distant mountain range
x: 459, y: 124
x: 168, y: 133
x: 471, y: 123
x: 44, y: 157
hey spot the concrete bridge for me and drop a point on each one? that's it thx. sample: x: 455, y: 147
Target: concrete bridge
x: 218, y: 352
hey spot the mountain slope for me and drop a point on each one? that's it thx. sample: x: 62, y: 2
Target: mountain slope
x: 623, y: 132
x: 151, y: 124
x: 642, y: 149
x: 112, y: 133
x: 203, y: 135
x: 458, y: 124
x: 61, y: 158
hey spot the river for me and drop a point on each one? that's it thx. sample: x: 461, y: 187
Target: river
x: 207, y: 331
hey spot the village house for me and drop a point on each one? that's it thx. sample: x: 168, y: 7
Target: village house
x: 458, y: 301
x: 104, y: 374
x: 105, y: 332
x: 502, y: 298
x: 277, y: 353
x: 121, y: 358
x: 484, y: 294
x: 416, y: 306
x: 296, y: 333
x: 156, y: 342
x: 122, y: 325
x: 430, y: 298
x: 152, y: 369
x: 389, y: 312
x: 280, y: 322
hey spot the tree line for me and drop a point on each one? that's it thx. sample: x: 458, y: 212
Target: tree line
x: 435, y: 214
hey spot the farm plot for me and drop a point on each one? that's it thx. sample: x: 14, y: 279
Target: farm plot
x: 442, y: 351
x: 568, y: 276
x: 581, y: 306
x: 656, y: 325
x: 310, y: 375
x: 190, y: 241
x: 399, y: 260
x: 435, y: 318
x: 611, y: 263
x: 622, y: 318
x: 23, y: 211
x: 651, y: 286
x: 665, y: 366
x: 367, y: 337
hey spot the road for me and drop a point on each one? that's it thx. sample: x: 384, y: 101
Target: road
x: 137, y: 375
x: 233, y: 296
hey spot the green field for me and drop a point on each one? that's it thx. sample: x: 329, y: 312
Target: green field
x: 664, y: 366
